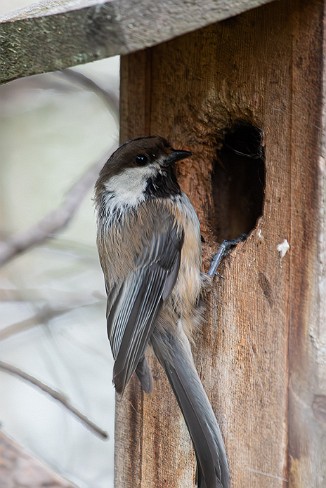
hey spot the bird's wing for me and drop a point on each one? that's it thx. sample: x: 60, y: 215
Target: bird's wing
x: 134, y: 304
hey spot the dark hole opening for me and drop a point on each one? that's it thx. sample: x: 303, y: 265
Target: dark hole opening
x: 238, y: 181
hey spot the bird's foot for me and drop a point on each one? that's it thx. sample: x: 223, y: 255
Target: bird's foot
x: 222, y: 252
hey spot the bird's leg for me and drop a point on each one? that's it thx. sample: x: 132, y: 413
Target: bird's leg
x: 222, y: 252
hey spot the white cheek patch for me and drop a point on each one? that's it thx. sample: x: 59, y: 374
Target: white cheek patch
x: 128, y: 187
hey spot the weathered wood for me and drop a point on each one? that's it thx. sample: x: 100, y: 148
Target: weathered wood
x: 53, y: 35
x: 19, y: 468
x: 261, y: 351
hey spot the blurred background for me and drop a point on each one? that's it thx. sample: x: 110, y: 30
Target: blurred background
x: 7, y: 6
x: 55, y: 132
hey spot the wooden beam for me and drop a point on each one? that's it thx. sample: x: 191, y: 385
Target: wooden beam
x: 261, y: 351
x: 54, y: 34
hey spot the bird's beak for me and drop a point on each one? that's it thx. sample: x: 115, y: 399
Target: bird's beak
x: 175, y: 156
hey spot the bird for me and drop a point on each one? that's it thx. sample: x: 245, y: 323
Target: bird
x: 149, y: 245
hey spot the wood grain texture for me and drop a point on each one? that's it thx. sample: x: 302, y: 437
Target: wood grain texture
x: 54, y: 34
x: 261, y: 352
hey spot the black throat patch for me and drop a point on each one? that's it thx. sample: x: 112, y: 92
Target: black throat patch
x: 163, y: 185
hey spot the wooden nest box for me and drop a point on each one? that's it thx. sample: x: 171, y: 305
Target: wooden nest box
x: 240, y: 83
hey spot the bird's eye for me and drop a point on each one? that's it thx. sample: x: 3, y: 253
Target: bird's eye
x: 141, y: 160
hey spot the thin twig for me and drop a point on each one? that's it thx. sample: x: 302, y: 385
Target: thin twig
x: 34, y: 294
x: 44, y: 315
x: 56, y: 220
x: 109, y: 98
x: 59, y: 397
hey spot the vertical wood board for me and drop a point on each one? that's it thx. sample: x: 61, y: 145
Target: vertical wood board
x: 259, y: 352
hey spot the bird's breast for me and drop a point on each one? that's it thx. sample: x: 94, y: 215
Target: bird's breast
x: 188, y: 285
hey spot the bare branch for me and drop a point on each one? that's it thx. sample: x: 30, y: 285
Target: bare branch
x: 44, y: 315
x: 110, y: 99
x: 56, y: 220
x: 10, y: 295
x: 75, y: 297
x: 59, y: 397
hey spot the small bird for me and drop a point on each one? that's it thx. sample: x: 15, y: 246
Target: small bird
x: 149, y: 247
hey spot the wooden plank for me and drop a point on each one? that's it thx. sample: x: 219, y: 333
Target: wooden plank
x: 307, y: 332
x: 55, y: 34
x: 261, y: 352
x: 20, y: 468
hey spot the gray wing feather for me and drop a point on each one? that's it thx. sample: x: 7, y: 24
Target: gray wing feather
x: 144, y: 375
x: 134, y: 305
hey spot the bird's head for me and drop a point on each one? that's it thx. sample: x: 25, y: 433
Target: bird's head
x: 141, y: 168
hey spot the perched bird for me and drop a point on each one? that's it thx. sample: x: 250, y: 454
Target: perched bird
x: 149, y: 247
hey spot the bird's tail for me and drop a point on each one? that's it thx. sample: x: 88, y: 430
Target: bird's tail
x: 175, y: 356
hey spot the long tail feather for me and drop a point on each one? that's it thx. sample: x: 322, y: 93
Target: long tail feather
x: 175, y: 356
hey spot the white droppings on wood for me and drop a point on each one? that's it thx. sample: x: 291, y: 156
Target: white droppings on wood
x: 283, y: 248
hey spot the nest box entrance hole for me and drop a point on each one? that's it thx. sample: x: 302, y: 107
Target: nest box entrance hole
x: 238, y: 181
